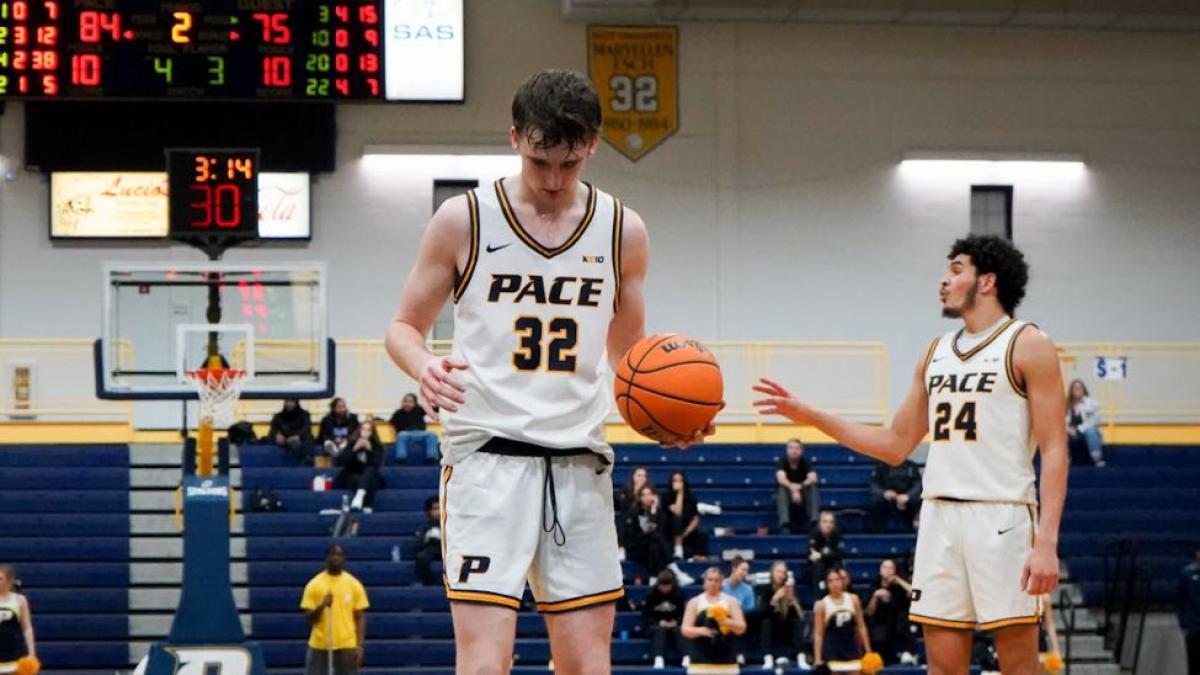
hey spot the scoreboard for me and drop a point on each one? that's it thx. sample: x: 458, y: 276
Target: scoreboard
x: 315, y: 50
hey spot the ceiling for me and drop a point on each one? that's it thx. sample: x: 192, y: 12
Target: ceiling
x: 1096, y: 15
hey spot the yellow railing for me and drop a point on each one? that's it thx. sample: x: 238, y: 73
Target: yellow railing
x: 1161, y: 384
x: 850, y: 378
x: 60, y: 385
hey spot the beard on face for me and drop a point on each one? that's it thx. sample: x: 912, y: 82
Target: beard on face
x: 967, y: 305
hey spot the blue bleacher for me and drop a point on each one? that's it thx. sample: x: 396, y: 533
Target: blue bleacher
x: 65, y: 527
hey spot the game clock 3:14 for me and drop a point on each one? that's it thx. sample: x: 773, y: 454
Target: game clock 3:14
x: 213, y: 192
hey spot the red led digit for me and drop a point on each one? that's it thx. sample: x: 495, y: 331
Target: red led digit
x: 277, y: 71
x: 373, y: 82
x: 47, y: 35
x: 372, y: 37
x: 233, y: 215
x: 342, y: 12
x: 50, y: 85
x: 20, y: 10
x: 341, y: 38
x: 93, y: 25
x: 85, y: 69
x: 368, y: 63
x: 341, y: 62
x: 274, y: 27
x: 343, y: 86
x: 205, y: 204
x: 51, y: 9
x: 367, y: 14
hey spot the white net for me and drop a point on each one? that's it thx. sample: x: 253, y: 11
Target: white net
x: 219, y: 389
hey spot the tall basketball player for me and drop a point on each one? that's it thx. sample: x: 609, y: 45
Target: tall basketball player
x: 546, y: 274
x: 991, y: 392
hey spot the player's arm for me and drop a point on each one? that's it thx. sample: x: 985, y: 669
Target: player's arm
x: 27, y: 627
x: 864, y: 635
x: 737, y: 620
x: 818, y: 633
x: 892, y: 444
x: 1036, y: 362
x: 430, y: 281
x: 689, y: 628
x: 629, y: 323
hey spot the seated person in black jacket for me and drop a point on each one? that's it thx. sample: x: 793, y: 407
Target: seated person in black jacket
x: 361, y: 460
x: 782, y: 618
x: 647, y: 532
x: 291, y: 429
x: 887, y: 615
x: 414, y: 443
x: 895, y: 495
x: 825, y: 549
x: 429, y: 543
x: 661, y: 616
x: 337, y: 427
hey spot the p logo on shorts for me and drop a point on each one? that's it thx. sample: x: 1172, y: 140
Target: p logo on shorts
x: 473, y: 564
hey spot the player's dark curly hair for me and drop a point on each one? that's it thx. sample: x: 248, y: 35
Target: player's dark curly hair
x: 561, y: 104
x: 995, y: 255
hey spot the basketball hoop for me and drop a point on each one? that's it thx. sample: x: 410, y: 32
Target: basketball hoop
x: 218, y: 389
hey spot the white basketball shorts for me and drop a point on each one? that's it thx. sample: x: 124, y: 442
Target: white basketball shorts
x: 969, y: 560
x: 495, y: 538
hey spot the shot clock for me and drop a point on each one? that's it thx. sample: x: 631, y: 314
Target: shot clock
x: 212, y: 196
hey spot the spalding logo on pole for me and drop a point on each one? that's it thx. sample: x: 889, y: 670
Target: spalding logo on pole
x: 636, y: 73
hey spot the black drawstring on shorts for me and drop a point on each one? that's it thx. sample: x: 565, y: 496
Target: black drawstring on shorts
x: 555, y: 529
x: 511, y: 448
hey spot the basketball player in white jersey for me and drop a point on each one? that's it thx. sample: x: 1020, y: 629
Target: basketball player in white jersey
x: 546, y: 274
x: 991, y: 392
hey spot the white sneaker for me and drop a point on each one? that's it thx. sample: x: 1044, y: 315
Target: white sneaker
x: 330, y: 448
x: 741, y: 659
x: 802, y: 662
x: 658, y: 663
x: 678, y: 553
x: 908, y: 659
x: 357, y: 502
x: 682, y: 577
x: 768, y: 662
x: 550, y: 665
x: 686, y: 662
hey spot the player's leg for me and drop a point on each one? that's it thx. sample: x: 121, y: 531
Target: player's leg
x: 483, y: 638
x: 997, y: 549
x: 1017, y: 648
x: 489, y: 536
x: 581, y: 640
x: 576, y: 577
x: 948, y: 649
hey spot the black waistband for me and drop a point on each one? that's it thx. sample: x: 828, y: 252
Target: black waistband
x: 510, y: 448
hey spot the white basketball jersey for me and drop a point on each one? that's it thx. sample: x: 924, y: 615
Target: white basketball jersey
x: 981, y: 447
x: 532, y: 325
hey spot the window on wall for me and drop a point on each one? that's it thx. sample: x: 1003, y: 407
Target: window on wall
x: 443, y: 328
x: 991, y: 210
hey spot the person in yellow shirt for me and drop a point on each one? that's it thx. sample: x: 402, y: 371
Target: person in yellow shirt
x: 336, y: 604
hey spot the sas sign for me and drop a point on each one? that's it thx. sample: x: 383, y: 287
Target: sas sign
x: 423, y: 50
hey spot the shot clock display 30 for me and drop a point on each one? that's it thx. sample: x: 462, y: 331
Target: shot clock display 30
x: 213, y: 193
x: 319, y: 50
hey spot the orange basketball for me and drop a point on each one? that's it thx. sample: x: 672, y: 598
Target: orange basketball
x: 668, y: 387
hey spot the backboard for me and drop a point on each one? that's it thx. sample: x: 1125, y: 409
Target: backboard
x: 163, y: 319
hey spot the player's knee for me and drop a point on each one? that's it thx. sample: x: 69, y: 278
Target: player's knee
x: 481, y: 669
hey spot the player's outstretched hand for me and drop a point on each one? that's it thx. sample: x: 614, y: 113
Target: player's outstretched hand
x: 780, y: 401
x: 440, y: 389
x: 1041, y: 571
x: 696, y: 439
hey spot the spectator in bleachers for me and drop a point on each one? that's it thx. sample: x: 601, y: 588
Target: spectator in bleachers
x: 796, y: 492
x: 647, y: 532
x: 336, y: 606
x: 661, y: 616
x: 690, y: 540
x: 840, y: 638
x: 895, y: 494
x: 16, y: 624
x: 1083, y: 426
x: 628, y: 495
x: 291, y: 429
x: 414, y: 442
x: 712, y: 621
x: 361, y: 460
x: 738, y: 586
x: 825, y: 549
x: 336, y: 427
x: 429, y: 543
x: 887, y: 615
x: 782, y: 627
x: 1188, y: 611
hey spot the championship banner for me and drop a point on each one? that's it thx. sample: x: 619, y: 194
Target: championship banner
x: 636, y: 73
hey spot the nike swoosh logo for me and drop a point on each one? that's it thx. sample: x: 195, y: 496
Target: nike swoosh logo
x: 493, y: 249
x: 1003, y: 532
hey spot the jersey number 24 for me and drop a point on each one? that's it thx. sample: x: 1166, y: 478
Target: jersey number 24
x: 964, y: 421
